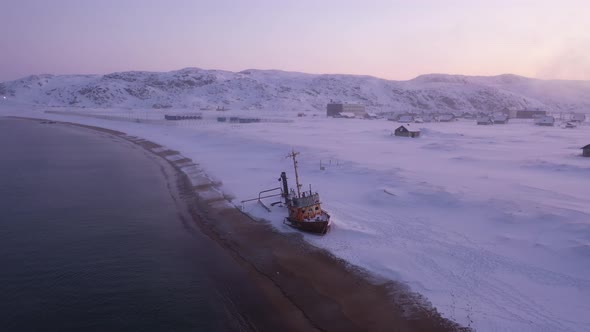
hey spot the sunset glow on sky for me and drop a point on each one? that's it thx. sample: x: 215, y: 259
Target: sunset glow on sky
x: 385, y: 38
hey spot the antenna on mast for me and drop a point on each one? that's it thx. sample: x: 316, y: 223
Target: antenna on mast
x: 294, y: 154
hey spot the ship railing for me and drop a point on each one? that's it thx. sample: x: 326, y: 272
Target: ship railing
x: 261, y: 197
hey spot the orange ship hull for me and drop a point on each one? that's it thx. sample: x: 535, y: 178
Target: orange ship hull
x: 317, y: 227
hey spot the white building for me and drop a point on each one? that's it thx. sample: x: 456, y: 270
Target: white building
x: 446, y: 118
x: 349, y: 115
x: 485, y: 121
x: 545, y: 121
x: 500, y: 118
x: 406, y: 118
x: 427, y: 118
x: 578, y: 117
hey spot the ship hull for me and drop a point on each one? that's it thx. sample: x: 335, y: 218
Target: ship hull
x: 316, y: 227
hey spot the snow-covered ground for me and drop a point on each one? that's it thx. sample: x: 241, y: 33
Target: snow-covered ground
x: 255, y: 90
x: 490, y: 223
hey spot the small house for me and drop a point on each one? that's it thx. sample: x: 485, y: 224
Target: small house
x: 406, y: 131
x: 586, y: 151
x: 570, y: 125
x: 446, y: 118
x: 545, y: 121
x: 578, y: 117
x: 500, y: 118
x: 406, y: 118
x: 485, y: 121
x: 427, y: 118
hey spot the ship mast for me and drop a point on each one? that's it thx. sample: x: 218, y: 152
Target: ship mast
x: 294, y: 154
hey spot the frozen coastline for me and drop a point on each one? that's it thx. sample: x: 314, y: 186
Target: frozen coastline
x: 490, y: 224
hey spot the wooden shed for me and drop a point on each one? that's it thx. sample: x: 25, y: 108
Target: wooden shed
x: 586, y: 151
x: 406, y: 131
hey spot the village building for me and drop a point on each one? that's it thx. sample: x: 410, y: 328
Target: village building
x: 586, y: 151
x: 406, y: 131
x: 570, y: 125
x: 446, y: 118
x: 485, y: 121
x: 248, y: 120
x: 176, y: 117
x: 427, y: 118
x: 500, y: 118
x: 457, y: 115
x: 530, y: 114
x: 406, y: 118
x: 334, y: 109
x: 347, y: 115
x: 512, y: 111
x: 578, y: 117
x: 545, y: 121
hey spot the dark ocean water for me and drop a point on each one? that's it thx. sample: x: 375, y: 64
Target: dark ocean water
x: 91, y: 240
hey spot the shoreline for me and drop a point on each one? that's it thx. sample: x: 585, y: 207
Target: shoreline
x: 310, y: 287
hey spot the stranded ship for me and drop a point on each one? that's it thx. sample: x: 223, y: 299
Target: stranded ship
x: 305, y: 211
x: 304, y: 208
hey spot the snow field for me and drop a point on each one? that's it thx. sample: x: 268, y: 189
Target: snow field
x: 490, y: 223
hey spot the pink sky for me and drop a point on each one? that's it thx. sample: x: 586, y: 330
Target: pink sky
x: 385, y: 38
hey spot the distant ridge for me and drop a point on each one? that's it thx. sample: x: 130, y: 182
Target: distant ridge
x: 291, y: 91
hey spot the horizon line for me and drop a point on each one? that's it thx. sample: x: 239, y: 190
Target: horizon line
x: 296, y: 72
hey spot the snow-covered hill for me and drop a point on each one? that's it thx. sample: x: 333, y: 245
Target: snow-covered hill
x: 277, y: 90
